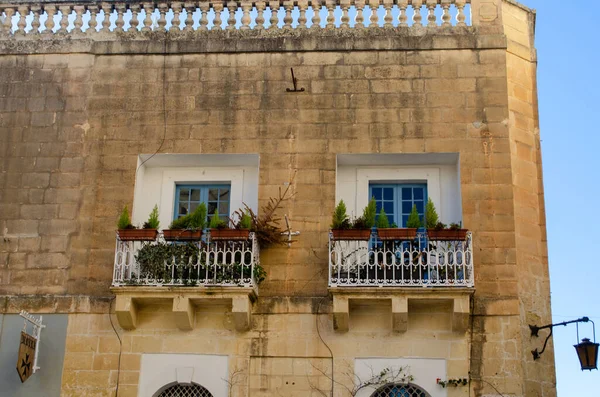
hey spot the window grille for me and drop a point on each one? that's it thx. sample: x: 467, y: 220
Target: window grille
x: 180, y: 390
x: 396, y: 390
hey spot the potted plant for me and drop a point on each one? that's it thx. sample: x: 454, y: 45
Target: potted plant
x: 387, y: 232
x: 437, y: 231
x: 358, y: 229
x: 128, y: 232
x: 188, y: 227
x: 219, y: 229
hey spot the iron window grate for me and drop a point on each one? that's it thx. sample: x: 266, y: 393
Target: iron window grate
x: 398, y: 390
x: 180, y: 390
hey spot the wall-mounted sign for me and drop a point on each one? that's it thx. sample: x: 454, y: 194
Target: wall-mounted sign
x: 28, y: 347
x: 25, y: 361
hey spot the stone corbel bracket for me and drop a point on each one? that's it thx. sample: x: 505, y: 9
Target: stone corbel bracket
x: 400, y: 298
x: 185, y: 301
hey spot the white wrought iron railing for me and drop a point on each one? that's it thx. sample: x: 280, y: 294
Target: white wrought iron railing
x: 417, y: 263
x: 196, y: 263
x: 25, y: 18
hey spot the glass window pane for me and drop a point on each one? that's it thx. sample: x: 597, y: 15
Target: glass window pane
x: 213, y: 194
x: 391, y: 219
x: 184, y: 194
x: 404, y: 220
x: 376, y: 192
x: 378, y: 206
x: 183, y: 209
x: 388, y: 207
x: 406, y: 193
x: 195, y: 194
x: 388, y: 193
x: 406, y: 207
x: 224, y: 208
x: 193, y: 206
x: 420, y: 208
x: 418, y: 192
x: 224, y: 194
x: 211, y: 208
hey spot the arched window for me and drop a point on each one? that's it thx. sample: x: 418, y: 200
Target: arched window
x: 185, y: 390
x: 398, y: 390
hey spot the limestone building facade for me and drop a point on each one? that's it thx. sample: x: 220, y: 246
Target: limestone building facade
x: 174, y: 104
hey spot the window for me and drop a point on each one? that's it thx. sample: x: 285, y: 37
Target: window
x: 216, y: 197
x: 397, y: 200
x: 398, y: 390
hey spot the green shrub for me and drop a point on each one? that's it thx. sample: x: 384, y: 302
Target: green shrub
x: 360, y: 223
x: 382, y: 221
x: 431, y: 216
x: 216, y: 222
x: 124, y: 221
x: 152, y: 222
x: 413, y: 219
x: 245, y: 221
x: 193, y: 221
x: 369, y: 213
x: 340, y: 218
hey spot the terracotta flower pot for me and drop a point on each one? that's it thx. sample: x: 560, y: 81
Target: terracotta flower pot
x: 137, y: 234
x: 447, y: 234
x: 351, y: 234
x: 182, y: 235
x: 229, y: 234
x: 397, y: 234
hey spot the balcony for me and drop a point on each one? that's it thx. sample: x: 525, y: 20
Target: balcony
x: 187, y: 273
x: 401, y: 271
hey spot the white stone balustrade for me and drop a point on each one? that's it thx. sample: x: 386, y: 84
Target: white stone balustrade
x: 34, y: 19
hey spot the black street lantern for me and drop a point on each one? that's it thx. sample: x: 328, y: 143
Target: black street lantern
x: 588, y: 354
x: 587, y: 351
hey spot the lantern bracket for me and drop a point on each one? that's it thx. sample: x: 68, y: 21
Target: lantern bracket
x: 535, y: 330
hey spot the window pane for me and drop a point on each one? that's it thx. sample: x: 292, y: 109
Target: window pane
x: 391, y: 219
x: 211, y: 208
x: 378, y: 206
x: 184, y: 194
x: 404, y: 220
x: 406, y: 207
x: 406, y: 193
x: 224, y: 208
x: 195, y: 195
x: 376, y: 191
x: 388, y: 207
x: 213, y: 194
x: 420, y: 208
x: 388, y: 193
x: 183, y: 209
x: 418, y: 192
x: 224, y: 194
x: 193, y: 206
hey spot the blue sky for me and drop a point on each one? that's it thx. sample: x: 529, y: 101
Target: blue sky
x: 568, y: 82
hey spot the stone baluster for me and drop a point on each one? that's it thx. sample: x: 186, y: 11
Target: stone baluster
x: 387, y: 18
x: 22, y: 23
x: 345, y: 21
x: 274, y: 20
x: 431, y: 18
x: 260, y: 15
x: 64, y: 19
x: 204, y: 8
x: 162, y: 19
x: 189, y: 17
x: 78, y: 23
x: 246, y: 8
x: 302, y: 6
x: 374, y: 18
x: 359, y: 21
x: 402, y: 17
x: 287, y: 19
x: 460, y: 15
x: 446, y: 18
x: 135, y: 22
x: 49, y: 25
x: 35, y: 23
x: 316, y: 19
x: 218, y: 7
x: 176, y: 6
x: 107, y: 9
x: 417, y: 17
x: 330, y: 4
x: 232, y: 8
x: 149, y: 10
x: 6, y: 24
x: 120, y: 22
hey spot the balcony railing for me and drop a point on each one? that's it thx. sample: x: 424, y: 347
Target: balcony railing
x: 135, y: 19
x: 192, y: 264
x: 417, y: 263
